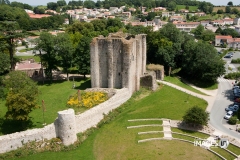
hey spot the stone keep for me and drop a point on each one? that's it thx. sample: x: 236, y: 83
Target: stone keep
x: 118, y: 61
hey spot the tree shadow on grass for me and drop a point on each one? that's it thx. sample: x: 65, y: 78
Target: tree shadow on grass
x: 12, y: 126
x: 198, y: 83
x: 84, y: 85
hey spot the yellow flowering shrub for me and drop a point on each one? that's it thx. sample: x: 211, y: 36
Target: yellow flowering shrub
x: 87, y: 99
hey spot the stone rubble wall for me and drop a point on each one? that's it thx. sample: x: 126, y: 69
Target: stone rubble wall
x: 15, y: 140
x: 83, y: 121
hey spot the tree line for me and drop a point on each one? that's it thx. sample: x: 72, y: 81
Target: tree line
x: 26, y: 23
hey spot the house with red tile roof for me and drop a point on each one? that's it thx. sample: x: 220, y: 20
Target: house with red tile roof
x: 37, y: 16
x: 31, y: 68
x: 176, y: 18
x: 186, y: 26
x: 228, y: 40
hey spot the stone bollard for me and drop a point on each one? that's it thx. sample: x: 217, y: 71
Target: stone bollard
x: 67, y: 126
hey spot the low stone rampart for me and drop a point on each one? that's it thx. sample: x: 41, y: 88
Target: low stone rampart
x: 15, y: 140
x: 83, y: 121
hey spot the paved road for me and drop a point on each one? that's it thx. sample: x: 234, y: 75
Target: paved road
x: 223, y: 99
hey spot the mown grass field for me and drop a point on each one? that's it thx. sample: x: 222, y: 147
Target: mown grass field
x: 191, y: 8
x: 114, y: 141
x: 55, y: 96
x: 215, y: 9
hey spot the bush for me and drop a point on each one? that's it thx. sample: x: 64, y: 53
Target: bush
x: 232, y: 120
x: 234, y: 75
x: 235, y: 60
x: 196, y: 116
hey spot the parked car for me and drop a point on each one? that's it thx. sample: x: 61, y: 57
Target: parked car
x: 231, y: 54
x: 233, y: 108
x: 236, y: 95
x: 228, y: 115
x: 236, y: 91
x: 235, y: 87
x: 228, y: 56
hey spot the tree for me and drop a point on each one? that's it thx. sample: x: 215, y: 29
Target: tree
x: 198, y: 31
x: 22, y: 96
x: 82, y: 56
x: 230, y: 3
x: 219, y: 30
x: 9, y: 32
x: 227, y: 9
x: 46, y: 45
x: 4, y: 63
x: 208, y: 35
x: 171, y: 6
x: 64, y: 49
x: 230, y: 31
x: 4, y: 2
x: 61, y: 3
x: 219, y: 11
x: 196, y: 116
x: 201, y: 62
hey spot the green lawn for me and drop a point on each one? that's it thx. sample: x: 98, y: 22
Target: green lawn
x: 55, y: 96
x: 234, y: 149
x: 183, y: 83
x: 192, y: 133
x: 223, y: 153
x: 36, y: 58
x: 179, y: 82
x: 114, y: 141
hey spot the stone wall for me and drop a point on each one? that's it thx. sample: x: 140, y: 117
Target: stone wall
x: 149, y: 81
x: 118, y: 61
x: 62, y: 128
x: 13, y: 141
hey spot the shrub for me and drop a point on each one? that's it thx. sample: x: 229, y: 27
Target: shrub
x: 235, y: 60
x: 196, y: 116
x: 234, y: 75
x: 232, y: 120
x: 87, y: 99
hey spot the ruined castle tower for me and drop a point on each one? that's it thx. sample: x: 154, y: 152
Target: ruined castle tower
x: 118, y: 61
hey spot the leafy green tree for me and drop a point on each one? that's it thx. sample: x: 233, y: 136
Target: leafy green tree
x: 230, y: 3
x: 82, y: 56
x: 196, y: 116
x: 9, y: 32
x: 64, y: 49
x: 61, y: 3
x: 22, y: 96
x: 171, y: 6
x: 46, y: 45
x: 200, y: 62
x: 99, y: 25
x: 227, y: 9
x: 151, y: 16
x: 219, y: 30
x: 234, y: 11
x: 230, y: 31
x: 4, y: 63
x: 4, y: 2
x: 219, y: 11
x: 52, y: 5
x: 198, y: 31
x: 208, y: 35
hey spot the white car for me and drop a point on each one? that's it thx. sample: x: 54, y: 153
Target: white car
x: 228, y: 115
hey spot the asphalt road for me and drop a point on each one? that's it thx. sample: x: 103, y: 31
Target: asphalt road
x: 223, y: 99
